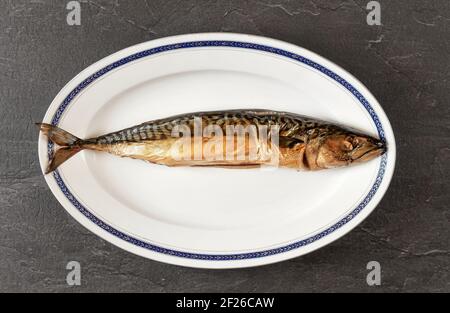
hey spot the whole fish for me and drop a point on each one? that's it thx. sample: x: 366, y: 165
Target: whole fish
x: 232, y: 139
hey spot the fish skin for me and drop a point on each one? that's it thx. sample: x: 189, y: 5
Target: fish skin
x: 290, y: 124
x: 304, y: 143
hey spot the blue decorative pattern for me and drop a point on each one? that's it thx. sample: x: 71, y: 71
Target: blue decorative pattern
x: 219, y: 257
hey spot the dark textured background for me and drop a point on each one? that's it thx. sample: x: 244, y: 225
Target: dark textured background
x: 404, y: 62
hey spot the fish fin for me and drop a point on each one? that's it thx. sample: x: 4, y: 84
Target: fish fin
x: 57, y: 135
x: 60, y: 156
x: 289, y: 142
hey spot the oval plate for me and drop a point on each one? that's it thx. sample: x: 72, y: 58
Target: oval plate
x: 213, y: 217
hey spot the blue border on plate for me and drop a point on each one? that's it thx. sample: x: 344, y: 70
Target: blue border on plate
x: 231, y: 44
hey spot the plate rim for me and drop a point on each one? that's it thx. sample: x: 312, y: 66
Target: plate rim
x: 193, y: 259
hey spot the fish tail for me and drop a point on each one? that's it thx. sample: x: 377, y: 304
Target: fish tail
x: 70, y: 145
x: 58, y: 135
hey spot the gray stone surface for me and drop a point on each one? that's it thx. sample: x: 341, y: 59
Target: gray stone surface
x: 404, y: 62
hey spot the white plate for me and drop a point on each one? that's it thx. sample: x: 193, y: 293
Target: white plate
x: 213, y: 217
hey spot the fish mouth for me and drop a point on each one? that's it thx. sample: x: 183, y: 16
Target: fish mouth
x: 377, y: 150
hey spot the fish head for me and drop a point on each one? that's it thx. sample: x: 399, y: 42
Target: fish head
x: 342, y: 149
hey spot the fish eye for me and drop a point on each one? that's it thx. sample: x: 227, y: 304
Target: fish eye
x: 347, y: 145
x: 353, y: 142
